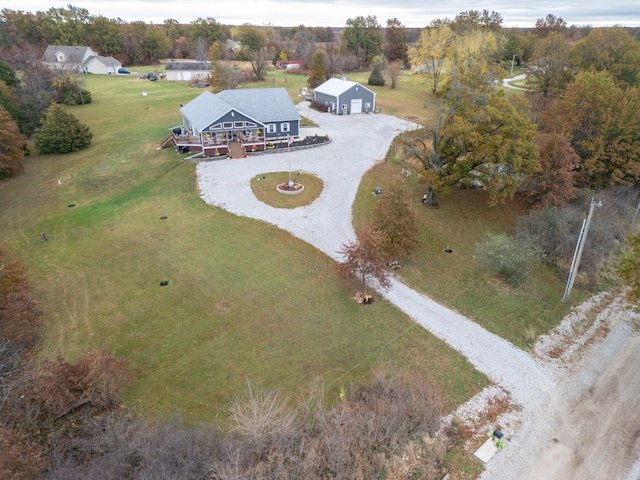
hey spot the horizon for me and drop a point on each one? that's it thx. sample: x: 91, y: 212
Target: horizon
x: 294, y: 13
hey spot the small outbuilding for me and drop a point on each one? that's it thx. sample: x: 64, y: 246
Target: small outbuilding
x: 188, y: 71
x: 345, y: 97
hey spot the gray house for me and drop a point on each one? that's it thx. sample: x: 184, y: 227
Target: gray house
x: 344, y: 96
x: 78, y: 59
x: 235, y: 121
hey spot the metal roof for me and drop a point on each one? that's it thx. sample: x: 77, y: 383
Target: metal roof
x: 336, y: 87
x: 265, y: 105
x: 187, y: 66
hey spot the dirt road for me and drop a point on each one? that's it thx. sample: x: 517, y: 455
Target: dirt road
x: 590, y: 427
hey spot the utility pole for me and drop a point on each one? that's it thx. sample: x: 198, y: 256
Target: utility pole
x: 577, y: 254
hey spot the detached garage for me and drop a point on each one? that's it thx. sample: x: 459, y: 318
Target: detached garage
x: 345, y: 97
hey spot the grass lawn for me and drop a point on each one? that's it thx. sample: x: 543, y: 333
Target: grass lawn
x: 265, y: 189
x: 245, y: 300
x: 455, y: 279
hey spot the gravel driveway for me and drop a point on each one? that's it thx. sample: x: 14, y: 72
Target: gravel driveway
x: 357, y: 143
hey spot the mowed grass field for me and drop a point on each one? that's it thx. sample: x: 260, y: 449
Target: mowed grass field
x: 245, y: 301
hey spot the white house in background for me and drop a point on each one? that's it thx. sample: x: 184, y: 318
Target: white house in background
x: 102, y: 65
x: 345, y: 97
x: 188, y: 71
x: 78, y: 59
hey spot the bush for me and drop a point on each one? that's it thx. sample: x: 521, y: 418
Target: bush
x: 555, y: 231
x: 507, y: 256
x: 320, y: 106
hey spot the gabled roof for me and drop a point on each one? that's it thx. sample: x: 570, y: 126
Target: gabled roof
x: 204, y: 66
x: 108, y: 61
x: 265, y: 105
x: 336, y: 87
x: 73, y: 54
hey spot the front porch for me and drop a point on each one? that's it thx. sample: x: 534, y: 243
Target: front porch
x: 213, y: 144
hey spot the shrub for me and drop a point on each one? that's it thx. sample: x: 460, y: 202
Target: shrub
x: 507, y: 256
x: 98, y: 378
x: 555, y: 231
x: 61, y: 132
x: 320, y: 106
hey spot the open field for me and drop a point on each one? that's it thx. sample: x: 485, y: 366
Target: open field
x: 245, y: 301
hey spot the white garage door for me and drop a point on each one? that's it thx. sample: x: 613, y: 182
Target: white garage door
x: 356, y: 105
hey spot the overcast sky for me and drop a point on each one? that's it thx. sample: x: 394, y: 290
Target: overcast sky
x: 334, y: 13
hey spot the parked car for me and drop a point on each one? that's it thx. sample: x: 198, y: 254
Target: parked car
x: 123, y: 70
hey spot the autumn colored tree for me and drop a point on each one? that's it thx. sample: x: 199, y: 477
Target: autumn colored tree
x: 548, y: 72
x: 223, y: 76
x: 554, y: 184
x: 602, y: 122
x: 478, y: 140
x: 473, y: 61
x: 98, y: 379
x: 610, y: 49
x: 430, y: 53
x: 549, y: 24
x: 255, y: 45
x: 395, y: 35
x: 69, y: 91
x: 363, y: 258
x: 393, y: 70
x: 394, y: 217
x: 318, y: 69
x: 61, y: 132
x: 12, y: 144
x: 471, y: 20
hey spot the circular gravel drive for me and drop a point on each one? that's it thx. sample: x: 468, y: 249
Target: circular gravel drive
x: 357, y: 143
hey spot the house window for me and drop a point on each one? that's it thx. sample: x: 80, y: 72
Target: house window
x: 227, y: 125
x: 217, y: 126
x: 271, y: 128
x: 344, y: 106
x: 285, y: 127
x: 238, y: 124
x: 367, y: 105
x: 250, y: 124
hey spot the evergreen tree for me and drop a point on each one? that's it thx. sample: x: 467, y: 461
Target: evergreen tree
x: 61, y: 132
x: 377, y: 77
x: 8, y: 76
x: 318, y: 70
